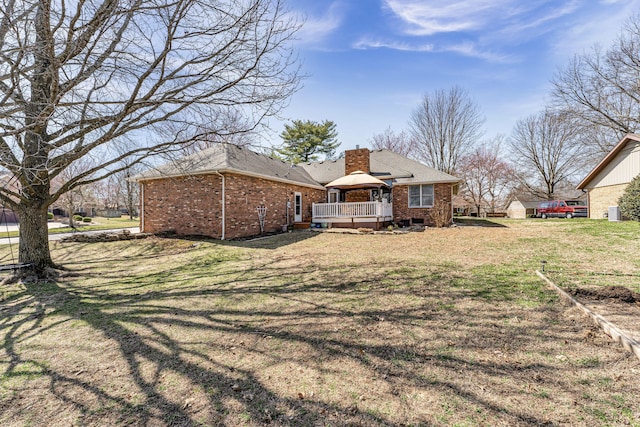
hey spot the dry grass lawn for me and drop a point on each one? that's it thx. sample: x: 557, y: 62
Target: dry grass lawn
x: 444, y: 327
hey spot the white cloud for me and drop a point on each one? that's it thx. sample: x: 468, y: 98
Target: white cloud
x: 317, y: 28
x: 468, y: 49
x: 366, y: 43
x: 498, y: 17
x: 602, y: 30
x: 442, y: 16
x: 488, y: 28
x: 541, y: 21
x: 472, y: 50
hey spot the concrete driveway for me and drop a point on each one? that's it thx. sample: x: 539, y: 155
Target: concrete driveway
x: 15, y: 227
x: 16, y: 240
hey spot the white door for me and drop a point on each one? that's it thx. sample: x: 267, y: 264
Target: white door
x: 297, y: 207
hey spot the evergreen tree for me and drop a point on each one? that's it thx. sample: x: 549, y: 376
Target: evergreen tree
x: 630, y: 201
x: 305, y: 140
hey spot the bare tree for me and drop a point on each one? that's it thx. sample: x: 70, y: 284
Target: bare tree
x: 83, y: 81
x: 119, y: 191
x: 445, y: 126
x: 108, y: 192
x: 399, y: 143
x: 130, y: 190
x: 232, y: 127
x: 600, y: 89
x: 546, y: 152
x: 487, y: 177
x: 75, y: 197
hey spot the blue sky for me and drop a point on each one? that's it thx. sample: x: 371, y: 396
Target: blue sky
x: 369, y: 62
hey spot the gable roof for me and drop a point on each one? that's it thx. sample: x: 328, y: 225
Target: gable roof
x: 384, y: 165
x: 607, y: 159
x: 524, y: 198
x: 530, y: 204
x: 231, y: 158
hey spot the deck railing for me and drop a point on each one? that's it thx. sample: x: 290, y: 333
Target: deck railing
x: 352, y: 209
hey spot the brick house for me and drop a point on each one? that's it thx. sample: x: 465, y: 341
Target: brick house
x: 606, y: 183
x: 413, y: 188
x: 218, y: 193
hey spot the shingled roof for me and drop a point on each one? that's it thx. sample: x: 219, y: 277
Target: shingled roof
x: 234, y: 159
x: 385, y: 165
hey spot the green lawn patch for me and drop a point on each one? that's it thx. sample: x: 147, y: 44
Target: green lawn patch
x: 442, y: 327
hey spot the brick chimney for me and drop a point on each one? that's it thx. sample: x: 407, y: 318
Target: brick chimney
x: 356, y: 160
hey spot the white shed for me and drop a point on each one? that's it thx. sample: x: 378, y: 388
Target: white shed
x: 519, y: 207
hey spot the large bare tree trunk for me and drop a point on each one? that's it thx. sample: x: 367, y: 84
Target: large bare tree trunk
x: 34, y: 237
x: 79, y: 82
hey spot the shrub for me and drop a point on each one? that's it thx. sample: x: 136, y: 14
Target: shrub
x: 49, y: 215
x: 630, y: 201
x: 86, y: 219
x: 77, y: 218
x: 441, y: 214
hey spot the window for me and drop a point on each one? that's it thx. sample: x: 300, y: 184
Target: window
x: 381, y: 194
x: 421, y: 196
x: 335, y: 196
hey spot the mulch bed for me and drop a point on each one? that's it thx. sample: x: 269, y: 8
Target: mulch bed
x: 615, y: 293
x: 104, y: 237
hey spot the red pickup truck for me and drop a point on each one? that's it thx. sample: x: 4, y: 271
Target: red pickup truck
x: 562, y: 209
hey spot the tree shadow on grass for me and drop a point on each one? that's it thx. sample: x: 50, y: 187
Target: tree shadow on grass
x: 477, y: 222
x: 192, y: 354
x: 265, y: 241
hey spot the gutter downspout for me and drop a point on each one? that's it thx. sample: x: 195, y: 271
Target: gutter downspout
x: 453, y: 193
x: 223, y: 205
x: 141, y: 207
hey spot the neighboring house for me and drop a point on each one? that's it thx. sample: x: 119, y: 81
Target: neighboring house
x: 461, y: 207
x: 526, y: 205
x: 522, y: 207
x: 606, y: 183
x: 220, y: 191
x: 7, y: 216
x: 84, y: 209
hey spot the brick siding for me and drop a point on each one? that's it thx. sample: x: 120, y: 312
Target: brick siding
x: 357, y: 196
x: 192, y: 205
x: 402, y: 211
x: 356, y: 160
x: 600, y: 198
